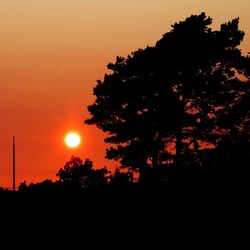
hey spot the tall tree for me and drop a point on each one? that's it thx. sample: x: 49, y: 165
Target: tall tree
x: 206, y: 70
x: 164, y: 102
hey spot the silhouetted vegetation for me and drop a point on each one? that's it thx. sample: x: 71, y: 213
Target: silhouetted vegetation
x: 168, y: 108
x: 176, y: 115
x: 79, y: 175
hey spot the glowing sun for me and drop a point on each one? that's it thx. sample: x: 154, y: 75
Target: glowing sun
x: 72, y: 140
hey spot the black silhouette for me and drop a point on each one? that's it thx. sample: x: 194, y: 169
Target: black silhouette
x: 79, y: 175
x: 176, y: 115
x: 121, y: 181
x: 165, y: 105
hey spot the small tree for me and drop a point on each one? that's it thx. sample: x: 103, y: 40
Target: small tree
x: 23, y: 187
x: 82, y: 175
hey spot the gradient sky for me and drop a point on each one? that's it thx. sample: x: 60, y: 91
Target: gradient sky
x: 51, y: 54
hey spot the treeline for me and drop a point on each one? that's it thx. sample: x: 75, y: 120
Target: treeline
x: 226, y: 167
x: 77, y: 176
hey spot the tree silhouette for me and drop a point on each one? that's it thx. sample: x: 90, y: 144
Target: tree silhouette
x: 79, y: 175
x: 166, y: 103
x: 121, y: 180
x: 205, y: 69
x: 23, y: 187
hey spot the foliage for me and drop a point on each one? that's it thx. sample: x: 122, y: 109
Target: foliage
x: 82, y: 175
x: 163, y: 103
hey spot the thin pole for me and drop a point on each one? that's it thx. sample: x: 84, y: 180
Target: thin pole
x: 14, y: 164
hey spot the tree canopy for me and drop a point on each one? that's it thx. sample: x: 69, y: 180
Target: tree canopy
x: 163, y: 104
x: 81, y: 175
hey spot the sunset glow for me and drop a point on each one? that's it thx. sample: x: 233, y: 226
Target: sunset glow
x: 52, y: 54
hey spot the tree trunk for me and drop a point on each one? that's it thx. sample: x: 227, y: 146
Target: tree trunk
x: 155, y: 159
x: 178, y: 148
x: 155, y: 153
x: 143, y: 172
x: 179, y: 133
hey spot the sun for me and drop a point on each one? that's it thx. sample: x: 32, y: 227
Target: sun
x: 72, y: 140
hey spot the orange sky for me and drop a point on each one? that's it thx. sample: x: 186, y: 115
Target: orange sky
x: 51, y: 54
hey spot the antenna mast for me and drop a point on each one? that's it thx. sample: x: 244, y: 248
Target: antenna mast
x: 14, y: 163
